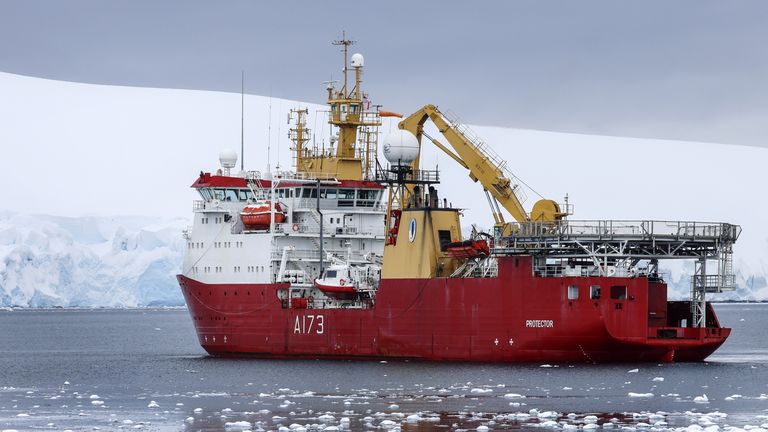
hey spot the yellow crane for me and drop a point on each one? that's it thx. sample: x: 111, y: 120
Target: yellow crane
x: 484, y: 167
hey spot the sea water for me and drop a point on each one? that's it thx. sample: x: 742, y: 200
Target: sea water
x: 144, y: 370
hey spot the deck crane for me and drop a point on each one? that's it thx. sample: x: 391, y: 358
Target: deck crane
x: 484, y: 167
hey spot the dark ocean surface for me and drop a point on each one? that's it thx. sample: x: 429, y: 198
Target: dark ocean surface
x: 144, y: 370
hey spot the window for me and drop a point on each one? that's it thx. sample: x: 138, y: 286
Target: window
x: 245, y: 194
x: 330, y: 194
x: 619, y: 292
x: 218, y: 194
x: 330, y: 273
x: 205, y: 193
x: 573, y: 292
x: 346, y: 197
x: 594, y: 292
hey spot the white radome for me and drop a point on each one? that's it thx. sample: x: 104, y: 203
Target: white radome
x: 228, y: 158
x: 357, y: 60
x: 401, y: 147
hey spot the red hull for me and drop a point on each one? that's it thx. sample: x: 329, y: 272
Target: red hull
x: 516, y: 317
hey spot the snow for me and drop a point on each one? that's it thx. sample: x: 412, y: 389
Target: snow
x: 107, y: 151
x: 640, y: 395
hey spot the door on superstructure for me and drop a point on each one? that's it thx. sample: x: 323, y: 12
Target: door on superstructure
x: 349, y: 224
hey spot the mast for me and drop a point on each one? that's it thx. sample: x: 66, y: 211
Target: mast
x: 242, y: 120
x: 357, y: 126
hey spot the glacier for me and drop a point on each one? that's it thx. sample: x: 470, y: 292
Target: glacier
x: 55, y: 261
x: 77, y: 155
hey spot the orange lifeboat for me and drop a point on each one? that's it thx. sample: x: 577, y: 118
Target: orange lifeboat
x: 468, y: 249
x: 256, y: 216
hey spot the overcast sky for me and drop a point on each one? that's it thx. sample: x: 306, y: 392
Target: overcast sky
x: 691, y: 70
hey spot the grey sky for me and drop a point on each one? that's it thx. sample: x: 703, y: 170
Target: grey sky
x: 688, y: 69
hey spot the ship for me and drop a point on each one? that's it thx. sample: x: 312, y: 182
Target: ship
x: 351, y: 256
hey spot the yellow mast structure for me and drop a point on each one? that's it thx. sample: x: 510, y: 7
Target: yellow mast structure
x: 354, y: 155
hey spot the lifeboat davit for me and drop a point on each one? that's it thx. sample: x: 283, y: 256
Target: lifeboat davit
x: 468, y: 249
x: 256, y: 216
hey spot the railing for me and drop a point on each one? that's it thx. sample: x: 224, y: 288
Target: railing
x: 412, y: 176
x: 618, y: 228
x: 313, y: 228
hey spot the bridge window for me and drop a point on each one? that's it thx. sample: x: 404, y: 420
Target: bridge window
x: 218, y: 194
x: 231, y: 195
x: 205, y: 193
x: 245, y: 194
x: 594, y: 292
x: 573, y: 292
x: 328, y: 193
x: 619, y: 292
x: 346, y: 198
x: 366, y: 197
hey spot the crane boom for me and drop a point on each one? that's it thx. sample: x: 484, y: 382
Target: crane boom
x: 484, y: 166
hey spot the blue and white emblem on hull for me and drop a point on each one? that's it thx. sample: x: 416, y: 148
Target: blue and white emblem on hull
x: 412, y: 230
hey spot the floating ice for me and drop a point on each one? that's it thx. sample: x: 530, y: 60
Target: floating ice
x: 546, y: 366
x: 549, y: 424
x: 590, y: 426
x: 197, y: 410
x: 394, y: 406
x: 514, y: 396
x: 190, y: 419
x: 482, y: 428
x: 237, y: 426
x: 633, y: 371
x: 640, y: 395
x: 658, y: 379
x: 590, y: 419
x: 701, y: 399
x: 567, y: 388
x: 22, y: 415
x: 413, y: 418
x: 227, y: 410
x: 153, y: 404
x: 97, y: 402
x: 387, y: 424
x: 95, y: 396
x: 481, y: 390
x: 326, y: 418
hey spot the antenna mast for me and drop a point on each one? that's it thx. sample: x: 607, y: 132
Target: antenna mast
x: 242, y: 120
x: 346, y: 43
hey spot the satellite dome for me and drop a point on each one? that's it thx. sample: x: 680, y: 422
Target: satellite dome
x: 357, y: 60
x: 401, y: 147
x: 228, y: 158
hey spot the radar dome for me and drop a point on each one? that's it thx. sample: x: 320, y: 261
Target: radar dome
x: 357, y: 60
x: 228, y: 158
x: 401, y: 147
